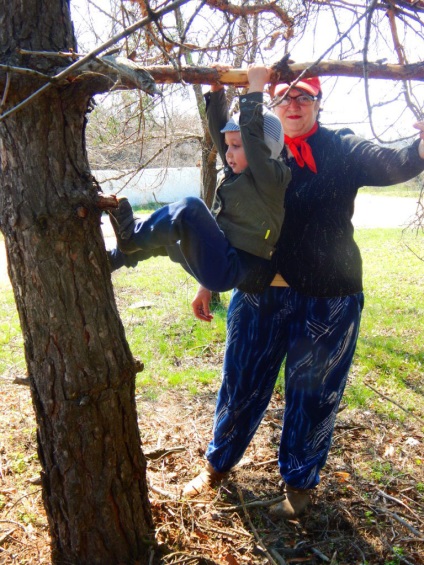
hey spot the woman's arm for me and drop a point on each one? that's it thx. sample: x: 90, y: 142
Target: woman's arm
x: 420, y: 126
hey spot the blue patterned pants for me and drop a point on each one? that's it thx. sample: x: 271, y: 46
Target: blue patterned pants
x: 317, y: 338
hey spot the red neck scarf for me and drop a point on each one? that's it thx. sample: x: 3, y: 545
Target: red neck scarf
x: 305, y: 154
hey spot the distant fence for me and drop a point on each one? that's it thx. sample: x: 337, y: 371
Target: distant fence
x: 151, y: 185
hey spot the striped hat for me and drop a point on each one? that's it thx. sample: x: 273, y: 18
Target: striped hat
x: 273, y: 131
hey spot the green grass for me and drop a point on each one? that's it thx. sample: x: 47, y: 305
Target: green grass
x: 179, y: 351
x: 390, y: 355
x: 11, y: 341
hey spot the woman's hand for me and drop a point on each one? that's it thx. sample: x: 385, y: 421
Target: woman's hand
x: 420, y: 126
x: 200, y: 304
x: 221, y: 68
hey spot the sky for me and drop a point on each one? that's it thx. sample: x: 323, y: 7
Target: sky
x: 344, y: 102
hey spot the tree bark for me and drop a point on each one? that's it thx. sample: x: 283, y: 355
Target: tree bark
x: 81, y: 370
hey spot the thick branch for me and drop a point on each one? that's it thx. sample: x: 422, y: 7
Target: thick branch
x: 206, y: 75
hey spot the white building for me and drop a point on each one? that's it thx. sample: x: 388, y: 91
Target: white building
x: 151, y: 185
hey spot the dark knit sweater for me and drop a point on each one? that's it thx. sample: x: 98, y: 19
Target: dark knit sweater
x: 316, y: 253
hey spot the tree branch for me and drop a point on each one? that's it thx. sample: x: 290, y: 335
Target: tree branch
x: 94, y: 53
x: 238, y: 77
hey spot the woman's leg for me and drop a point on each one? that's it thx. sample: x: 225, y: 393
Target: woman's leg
x: 255, y: 348
x: 321, y: 346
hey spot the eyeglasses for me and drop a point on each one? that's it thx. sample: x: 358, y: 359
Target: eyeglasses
x: 302, y: 100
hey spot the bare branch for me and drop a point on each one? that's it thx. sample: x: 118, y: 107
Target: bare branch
x: 394, y: 402
x: 24, y: 71
x: 95, y: 52
x: 238, y: 77
x: 253, y: 9
x: 6, y: 91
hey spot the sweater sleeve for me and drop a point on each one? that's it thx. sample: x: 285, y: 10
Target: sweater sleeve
x: 267, y: 172
x: 375, y: 165
x: 217, y: 116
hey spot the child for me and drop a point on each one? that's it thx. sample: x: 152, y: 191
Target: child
x: 220, y: 249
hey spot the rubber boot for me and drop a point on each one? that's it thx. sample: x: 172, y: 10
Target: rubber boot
x: 207, y: 479
x: 294, y: 505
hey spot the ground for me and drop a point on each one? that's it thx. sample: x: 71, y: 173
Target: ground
x: 368, y: 509
x: 354, y: 519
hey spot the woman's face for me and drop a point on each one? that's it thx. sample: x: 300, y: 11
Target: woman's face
x: 297, y: 119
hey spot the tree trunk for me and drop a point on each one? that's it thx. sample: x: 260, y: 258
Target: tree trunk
x: 81, y: 370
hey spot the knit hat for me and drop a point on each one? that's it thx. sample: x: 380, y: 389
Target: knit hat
x: 273, y: 131
x: 310, y: 85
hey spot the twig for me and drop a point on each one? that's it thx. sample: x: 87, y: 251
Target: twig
x: 385, y: 495
x: 92, y: 54
x: 379, y: 510
x: 321, y: 555
x: 255, y: 533
x: 160, y: 453
x: 27, y: 495
x: 278, y: 99
x: 263, y: 463
x: 277, y: 557
x: 6, y: 535
x: 395, y: 403
x: 255, y: 504
x: 166, y: 493
x: 24, y: 71
x: 6, y: 91
x: 231, y: 533
x: 186, y: 557
x: 14, y: 523
x: 70, y: 54
x: 333, y: 558
x: 406, y: 524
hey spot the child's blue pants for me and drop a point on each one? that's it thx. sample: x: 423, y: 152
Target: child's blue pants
x: 191, y: 237
x: 317, y: 337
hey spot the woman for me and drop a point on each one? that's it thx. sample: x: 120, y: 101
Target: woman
x: 306, y: 308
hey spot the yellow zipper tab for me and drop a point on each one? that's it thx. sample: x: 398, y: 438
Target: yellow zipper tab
x: 267, y: 234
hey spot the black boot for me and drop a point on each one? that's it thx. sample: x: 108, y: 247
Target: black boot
x: 122, y: 220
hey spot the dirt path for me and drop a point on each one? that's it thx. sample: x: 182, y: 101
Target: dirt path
x: 370, y: 212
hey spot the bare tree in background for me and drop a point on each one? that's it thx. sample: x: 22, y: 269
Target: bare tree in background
x: 367, y: 35
x: 81, y: 371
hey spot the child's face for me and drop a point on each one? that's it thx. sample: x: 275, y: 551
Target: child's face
x: 235, y: 154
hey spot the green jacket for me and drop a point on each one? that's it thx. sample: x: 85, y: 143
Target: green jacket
x: 248, y: 207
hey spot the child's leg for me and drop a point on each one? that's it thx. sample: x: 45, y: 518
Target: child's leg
x: 117, y: 259
x: 205, y: 252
